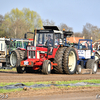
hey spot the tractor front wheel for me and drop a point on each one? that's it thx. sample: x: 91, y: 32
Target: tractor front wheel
x: 97, y: 57
x: 46, y: 68
x: 92, y: 64
x: 20, y: 69
x: 79, y: 69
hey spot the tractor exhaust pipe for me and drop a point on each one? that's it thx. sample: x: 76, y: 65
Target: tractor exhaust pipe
x: 35, y: 38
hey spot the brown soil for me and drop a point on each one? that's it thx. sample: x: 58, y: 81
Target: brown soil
x: 12, y: 76
x: 54, y: 91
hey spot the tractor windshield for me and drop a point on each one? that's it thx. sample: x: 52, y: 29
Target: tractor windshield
x: 19, y: 44
x: 85, y: 45
x: 25, y: 43
x: 44, y: 39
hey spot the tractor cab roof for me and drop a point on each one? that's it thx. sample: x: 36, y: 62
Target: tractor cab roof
x: 51, y: 28
x: 54, y: 29
x: 17, y: 39
x: 67, y: 33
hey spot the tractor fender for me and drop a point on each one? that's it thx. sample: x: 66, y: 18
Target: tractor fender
x: 77, y: 53
x: 98, y: 52
x: 21, y: 49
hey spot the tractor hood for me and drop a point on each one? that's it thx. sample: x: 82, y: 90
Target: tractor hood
x: 32, y: 48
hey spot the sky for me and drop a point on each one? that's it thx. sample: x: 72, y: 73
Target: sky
x: 73, y: 13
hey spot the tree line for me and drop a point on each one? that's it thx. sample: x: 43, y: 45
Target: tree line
x: 16, y: 23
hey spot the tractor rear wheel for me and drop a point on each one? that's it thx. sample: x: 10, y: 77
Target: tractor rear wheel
x: 46, y: 68
x: 59, y: 60
x: 70, y: 61
x: 91, y: 64
x: 22, y: 54
x: 15, y: 58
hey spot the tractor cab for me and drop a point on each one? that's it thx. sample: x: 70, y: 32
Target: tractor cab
x: 18, y: 44
x: 49, y: 39
x: 85, y: 44
x: 85, y: 48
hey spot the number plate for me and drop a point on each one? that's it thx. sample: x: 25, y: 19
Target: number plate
x: 25, y: 62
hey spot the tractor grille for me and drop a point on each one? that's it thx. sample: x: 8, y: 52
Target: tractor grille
x: 31, y: 54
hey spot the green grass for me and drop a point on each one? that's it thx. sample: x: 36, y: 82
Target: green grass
x: 76, y: 81
x: 52, y: 82
x: 68, y: 87
x: 14, y: 69
x: 4, y: 84
x: 32, y: 83
x: 47, y: 82
x: 9, y: 90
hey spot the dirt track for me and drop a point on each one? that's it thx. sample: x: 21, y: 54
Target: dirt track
x: 58, y: 94
x: 54, y: 93
x: 35, y: 77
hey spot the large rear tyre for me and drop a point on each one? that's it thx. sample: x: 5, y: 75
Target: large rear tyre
x: 22, y: 54
x: 92, y: 64
x: 46, y: 68
x: 59, y: 60
x: 15, y: 58
x: 70, y: 61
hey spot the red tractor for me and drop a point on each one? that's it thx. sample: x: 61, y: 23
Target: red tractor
x: 50, y: 53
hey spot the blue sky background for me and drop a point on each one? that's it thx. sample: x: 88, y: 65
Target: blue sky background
x: 74, y: 13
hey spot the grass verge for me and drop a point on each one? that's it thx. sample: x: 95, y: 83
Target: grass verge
x: 7, y: 70
x: 10, y: 90
x: 48, y: 82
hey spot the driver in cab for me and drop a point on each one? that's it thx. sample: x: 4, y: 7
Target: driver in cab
x: 49, y: 41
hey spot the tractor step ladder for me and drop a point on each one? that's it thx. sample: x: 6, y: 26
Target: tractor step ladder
x: 86, y: 71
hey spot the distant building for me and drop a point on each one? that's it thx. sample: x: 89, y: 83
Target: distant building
x: 74, y: 39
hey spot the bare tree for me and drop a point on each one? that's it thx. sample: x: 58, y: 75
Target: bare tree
x: 91, y: 31
x: 47, y: 22
x: 78, y: 34
x: 64, y: 26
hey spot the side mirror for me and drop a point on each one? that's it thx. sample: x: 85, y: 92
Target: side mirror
x: 7, y: 42
x: 25, y: 36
